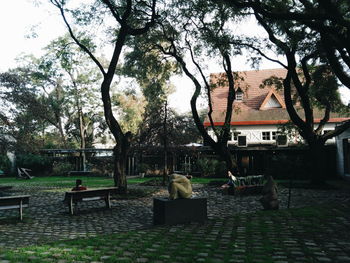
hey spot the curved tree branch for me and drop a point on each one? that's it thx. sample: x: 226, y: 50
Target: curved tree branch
x: 76, y: 40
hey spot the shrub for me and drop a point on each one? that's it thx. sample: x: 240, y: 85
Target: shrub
x: 220, y: 169
x: 207, y: 166
x: 101, y: 165
x: 5, y: 164
x: 37, y: 163
x: 62, y: 168
x: 143, y: 167
x: 285, y: 166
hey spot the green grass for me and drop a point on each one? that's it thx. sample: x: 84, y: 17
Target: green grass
x: 58, y: 181
x: 90, y: 181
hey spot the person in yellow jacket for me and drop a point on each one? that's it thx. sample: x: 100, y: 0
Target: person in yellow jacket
x: 179, y: 186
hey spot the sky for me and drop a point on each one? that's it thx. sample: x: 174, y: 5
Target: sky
x: 18, y: 17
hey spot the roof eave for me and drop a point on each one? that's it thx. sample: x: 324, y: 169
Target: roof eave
x: 269, y: 122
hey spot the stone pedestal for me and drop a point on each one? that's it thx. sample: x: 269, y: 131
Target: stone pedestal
x: 179, y: 211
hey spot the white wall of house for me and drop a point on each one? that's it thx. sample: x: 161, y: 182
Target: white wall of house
x: 340, y: 153
x: 264, y: 134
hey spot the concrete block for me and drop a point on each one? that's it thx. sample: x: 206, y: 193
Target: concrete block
x: 170, y: 212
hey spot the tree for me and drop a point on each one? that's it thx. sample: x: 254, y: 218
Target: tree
x: 129, y: 19
x: 130, y: 109
x: 56, y: 92
x: 29, y: 112
x: 78, y: 79
x: 328, y: 20
x: 189, y: 29
x: 311, y: 72
x: 153, y: 73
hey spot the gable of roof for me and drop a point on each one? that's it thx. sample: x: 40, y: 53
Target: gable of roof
x: 272, y: 100
x: 249, y: 83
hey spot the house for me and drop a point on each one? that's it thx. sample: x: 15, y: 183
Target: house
x: 343, y: 154
x: 258, y: 112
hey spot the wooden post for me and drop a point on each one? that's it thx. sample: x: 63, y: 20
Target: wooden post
x: 108, y: 200
x: 71, y: 205
x: 20, y: 210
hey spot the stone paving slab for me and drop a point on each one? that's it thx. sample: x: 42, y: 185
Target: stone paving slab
x: 250, y: 237
x: 47, y: 218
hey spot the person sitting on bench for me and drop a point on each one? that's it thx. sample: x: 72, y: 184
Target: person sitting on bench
x: 231, y: 181
x: 79, y: 186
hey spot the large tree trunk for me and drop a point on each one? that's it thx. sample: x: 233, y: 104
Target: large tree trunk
x: 82, y: 140
x: 120, y: 158
x: 125, y: 29
x: 165, y: 141
x: 61, y: 131
x: 226, y: 156
x: 317, y: 162
x: 220, y: 147
x: 119, y: 170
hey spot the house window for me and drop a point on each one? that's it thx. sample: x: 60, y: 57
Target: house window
x: 266, y: 136
x: 269, y: 135
x: 235, y: 135
x: 274, y: 135
x: 239, y: 95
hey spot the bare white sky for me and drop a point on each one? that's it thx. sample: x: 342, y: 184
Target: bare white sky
x: 16, y: 20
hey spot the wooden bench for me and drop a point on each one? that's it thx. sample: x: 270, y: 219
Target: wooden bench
x: 80, y: 173
x: 74, y: 197
x: 14, y: 202
x: 5, y: 187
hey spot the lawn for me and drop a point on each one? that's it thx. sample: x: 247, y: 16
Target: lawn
x: 90, y: 181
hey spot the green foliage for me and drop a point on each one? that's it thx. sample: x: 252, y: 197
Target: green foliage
x: 130, y: 110
x: 144, y: 167
x: 324, y: 89
x: 221, y: 169
x: 40, y: 165
x: 47, y: 98
x: 208, y: 166
x: 101, y: 166
x: 5, y: 164
x: 287, y: 166
x: 292, y: 132
x: 61, y: 168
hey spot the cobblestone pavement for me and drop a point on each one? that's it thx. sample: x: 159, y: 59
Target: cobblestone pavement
x: 47, y: 218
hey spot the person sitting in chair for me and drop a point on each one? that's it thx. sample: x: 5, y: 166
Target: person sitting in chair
x: 78, y: 186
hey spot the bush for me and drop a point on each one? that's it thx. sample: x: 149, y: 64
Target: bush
x: 207, y: 166
x: 143, y: 167
x: 5, y: 164
x: 286, y: 166
x: 62, y: 168
x: 101, y: 165
x: 220, y: 169
x: 37, y: 163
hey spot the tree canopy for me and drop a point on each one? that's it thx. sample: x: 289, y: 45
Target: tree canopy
x: 57, y: 90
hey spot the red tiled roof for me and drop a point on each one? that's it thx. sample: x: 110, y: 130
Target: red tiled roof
x: 248, y: 112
